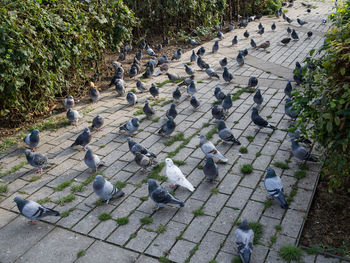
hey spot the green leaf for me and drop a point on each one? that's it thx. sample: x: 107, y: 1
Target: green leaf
x: 329, y: 127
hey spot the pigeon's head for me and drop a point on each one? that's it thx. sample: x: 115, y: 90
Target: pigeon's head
x: 225, y: 70
x: 88, y: 150
x: 221, y: 125
x: 297, y: 64
x: 245, y: 254
x: 258, y: 92
x: 179, y: 49
x: 152, y: 185
x: 173, y: 106
x: 202, y: 139
x: 217, y: 89
x: 169, y: 162
x: 135, y: 121
x: 99, y: 181
x: 255, y: 110
x: 28, y: 153
x: 235, y: 37
x: 18, y: 200
x: 270, y: 172
x: 244, y: 225
x: 35, y: 132
x: 70, y: 98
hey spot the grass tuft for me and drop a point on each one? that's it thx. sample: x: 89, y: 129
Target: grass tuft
x: 144, y: 198
x: 278, y: 227
x: 258, y: 231
x: 250, y: 138
x: 161, y: 229
x: 246, y: 168
x: 66, y: 199
x: 281, y: 165
x: 3, y: 188
x: 214, y: 191
x: 300, y: 174
x: 120, y: 185
x: 268, y: 203
x: 122, y: 221
x: 146, y: 220
x: 258, y: 154
x: 63, y: 185
x: 104, y: 216
x: 43, y: 200
x: 34, y: 178
x: 13, y: 169
x: 163, y: 260
x: 178, y: 137
x: 291, y: 253
x: 199, y: 211
x: 243, y: 149
x: 80, y: 253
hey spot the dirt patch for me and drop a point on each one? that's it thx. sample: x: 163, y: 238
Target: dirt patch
x: 328, y: 224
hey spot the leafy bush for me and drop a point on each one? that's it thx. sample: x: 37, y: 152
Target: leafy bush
x: 46, y: 46
x: 325, y: 99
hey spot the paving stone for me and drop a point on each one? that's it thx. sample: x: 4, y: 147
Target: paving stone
x: 323, y: 259
x: 292, y: 222
x: 214, y: 204
x: 141, y: 241
x: 181, y: 251
x: 196, y: 230
x: 185, y: 215
x: 6, y: 217
x: 239, y: 198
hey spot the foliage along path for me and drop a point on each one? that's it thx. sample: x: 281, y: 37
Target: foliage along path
x: 201, y: 231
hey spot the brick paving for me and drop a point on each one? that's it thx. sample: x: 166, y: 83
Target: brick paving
x: 175, y: 233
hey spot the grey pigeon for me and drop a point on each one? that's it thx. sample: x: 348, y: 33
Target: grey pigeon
x: 148, y: 110
x: 69, y: 102
x: 294, y: 35
x: 136, y: 147
x: 225, y: 134
x: 73, y: 116
x: 153, y: 62
x: 131, y: 98
x: 150, y: 51
x: 144, y: 161
x: 286, y: 40
x: 289, y: 110
x: 139, y: 55
x: 301, y: 22
x: 274, y: 187
x: 131, y: 126
x: 200, y: 62
x: 261, y: 31
x: 161, y: 196
x: 295, y: 134
x: 172, y: 112
x: 133, y: 71
x: 94, y: 94
x: 36, y: 160
x: 259, y: 121
x: 244, y: 52
x: 168, y: 127
x: 154, y: 90
x: 201, y: 51
x: 191, y: 89
x: 83, y: 139
x: 223, y: 62
x: 227, y: 75
x: 32, y: 139
x: 209, y: 149
x: 92, y: 160
x: 120, y: 87
x: 166, y: 41
x: 288, y: 89
x: 246, y: 34
x: 193, y: 57
x: 273, y: 26
x: 289, y: 30
x: 159, y: 47
x: 194, y: 102
x: 32, y: 210
x: 309, y: 34
x: 291, y: 4
x: 189, y: 70
x: 231, y: 26
x: 324, y: 21
x: 252, y: 43
x: 227, y: 102
x: 217, y: 112
x: 140, y: 86
x: 187, y: 81
x: 220, y: 35
x: 258, y: 98
x: 210, y: 169
x: 162, y: 60
x: 234, y: 41
x: 219, y: 95
x: 97, y: 123
x: 177, y: 94
x: 149, y: 71
x: 172, y: 77
x: 289, y: 20
x: 193, y: 42
x: 215, y: 46
x: 211, y: 73
x: 177, y: 54
x: 301, y: 153
x: 252, y: 82
x: 105, y: 190
x: 240, y: 59
x: 244, y: 237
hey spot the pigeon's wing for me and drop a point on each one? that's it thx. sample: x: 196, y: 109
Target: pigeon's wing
x: 161, y: 196
x: 138, y: 148
x: 208, y: 147
x: 108, y: 190
x: 174, y: 174
x: 129, y: 126
x: 258, y: 120
x: 96, y: 159
x: 273, y: 185
x: 32, y: 210
x: 244, y: 238
x: 226, y: 135
x: 39, y: 159
x: 145, y: 161
x: 27, y: 139
x: 301, y: 153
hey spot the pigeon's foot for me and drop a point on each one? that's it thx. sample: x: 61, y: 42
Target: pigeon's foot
x: 99, y: 130
x: 39, y: 171
x: 32, y: 222
x: 172, y: 186
x: 34, y: 149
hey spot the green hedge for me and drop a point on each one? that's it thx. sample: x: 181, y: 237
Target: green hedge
x: 47, y: 45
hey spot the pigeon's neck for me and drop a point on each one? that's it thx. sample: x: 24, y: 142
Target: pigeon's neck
x: 151, y: 188
x: 34, y: 137
x: 21, y: 204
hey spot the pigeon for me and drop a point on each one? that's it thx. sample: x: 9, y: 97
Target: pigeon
x: 264, y: 45
x: 295, y: 134
x: 136, y: 147
x: 149, y: 71
x: 131, y: 98
x: 150, y: 51
x: 220, y: 35
x: 133, y: 71
x: 131, y: 126
x: 308, y: 10
x: 194, y: 102
x: 175, y: 175
x: 193, y: 42
x: 140, y: 86
x: 227, y: 102
x: 225, y: 134
x: 200, y: 62
x: 148, y: 110
x: 244, y: 237
x: 244, y: 23
x: 246, y: 34
x: 215, y: 46
x: 211, y: 73
x: 187, y: 81
x: 288, y: 89
x: 177, y: 54
x: 154, y: 90
x: 218, y: 112
x: 201, y: 51
x: 231, y: 26
x: 138, y: 55
x: 289, y: 20
x: 94, y: 95
x: 261, y: 31
x: 166, y: 41
x: 258, y: 16
x: 122, y: 56
x: 210, y: 150
x: 159, y: 47
x: 294, y: 35
x: 309, y: 34
x: 324, y: 21
x: 97, y: 123
x: 273, y: 26
x: 36, y: 160
x: 119, y: 87
x: 252, y: 82
x: 32, y: 139
x: 301, y: 22
x: 153, y: 62
x: 168, y: 127
x: 301, y: 153
x: 210, y: 169
x: 289, y: 110
x: 177, y: 94
x: 105, y: 190
x: 189, y: 70
x: 92, y: 160
x: 73, y: 115
x: 69, y: 102
x: 161, y: 196
x: 286, y: 40
x: 240, y: 59
x: 219, y: 95
x: 173, y: 77
x: 83, y: 139
x: 144, y: 161
x: 191, y: 89
x: 32, y: 210
x: 260, y: 26
x: 223, y: 62
x: 171, y: 112
x: 289, y: 30
x: 274, y: 187
x: 291, y: 4
x: 259, y: 121
x: 193, y: 57
x: 227, y: 75
x: 252, y: 43
x: 258, y: 99
x: 162, y: 60
x: 142, y: 44
x: 243, y: 52
x: 234, y: 41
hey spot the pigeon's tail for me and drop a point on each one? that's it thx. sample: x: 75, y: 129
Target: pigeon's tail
x: 158, y: 72
x: 304, y: 140
x: 24, y: 139
x: 176, y: 202
x: 151, y: 155
x: 271, y: 126
x: 282, y: 200
x: 92, y: 127
x: 187, y: 185
x: 51, y: 212
x: 236, y: 141
x: 221, y: 157
x: 122, y: 128
x: 74, y: 144
x: 216, y: 76
x: 311, y: 158
x: 119, y: 193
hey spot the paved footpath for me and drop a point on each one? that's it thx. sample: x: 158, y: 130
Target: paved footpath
x: 177, y: 234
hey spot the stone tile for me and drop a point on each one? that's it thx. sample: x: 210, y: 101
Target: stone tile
x: 196, y: 230
x: 141, y: 241
x: 292, y: 222
x: 181, y: 251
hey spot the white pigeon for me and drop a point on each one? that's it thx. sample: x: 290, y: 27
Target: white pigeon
x: 176, y: 177
x: 209, y: 149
